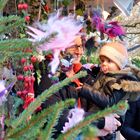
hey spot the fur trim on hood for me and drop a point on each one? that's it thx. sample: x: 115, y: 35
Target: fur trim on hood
x: 129, y: 81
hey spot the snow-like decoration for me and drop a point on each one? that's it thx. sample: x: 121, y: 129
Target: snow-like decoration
x: 75, y: 116
x: 3, y: 91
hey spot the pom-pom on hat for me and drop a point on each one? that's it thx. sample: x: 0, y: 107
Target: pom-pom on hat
x: 116, y: 52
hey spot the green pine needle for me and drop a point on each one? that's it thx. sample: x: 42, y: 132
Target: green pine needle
x: 2, y: 4
x: 13, y: 44
x: 53, y: 118
x: 26, y: 113
x: 78, y: 128
x: 39, y: 119
x: 10, y: 26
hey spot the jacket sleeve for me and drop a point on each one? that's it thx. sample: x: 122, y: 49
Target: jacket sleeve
x: 66, y: 92
x: 100, y: 99
x: 127, y: 129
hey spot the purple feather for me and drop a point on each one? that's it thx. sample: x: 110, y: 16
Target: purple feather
x: 3, y: 91
x: 113, y: 29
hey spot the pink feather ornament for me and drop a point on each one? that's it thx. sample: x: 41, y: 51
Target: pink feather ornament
x: 66, y: 29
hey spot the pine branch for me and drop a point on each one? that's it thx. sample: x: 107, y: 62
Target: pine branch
x: 49, y: 128
x: 17, y: 102
x: 4, y: 20
x: 77, y: 129
x: 39, y: 118
x: 15, y: 55
x: 2, y: 4
x: 9, y: 26
x: 13, y: 44
x: 35, y: 131
x: 53, y: 118
x: 26, y: 113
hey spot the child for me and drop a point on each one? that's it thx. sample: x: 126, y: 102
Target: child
x: 114, y: 82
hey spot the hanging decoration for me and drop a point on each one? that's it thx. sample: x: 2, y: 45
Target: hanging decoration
x: 66, y: 29
x: 23, y: 8
x: 3, y: 91
x: 112, y: 29
x: 27, y: 81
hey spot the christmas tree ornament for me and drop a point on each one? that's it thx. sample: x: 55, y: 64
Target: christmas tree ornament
x: 23, y: 60
x: 66, y: 29
x: 4, y: 90
x: 20, y: 77
x: 33, y: 59
x: 112, y: 29
x: 75, y: 116
x: 25, y: 6
x: 20, y: 6
x: 27, y: 18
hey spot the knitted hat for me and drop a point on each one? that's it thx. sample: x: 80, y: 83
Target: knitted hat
x: 115, y: 51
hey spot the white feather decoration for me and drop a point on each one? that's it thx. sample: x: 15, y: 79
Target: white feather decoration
x: 3, y: 91
x: 75, y: 116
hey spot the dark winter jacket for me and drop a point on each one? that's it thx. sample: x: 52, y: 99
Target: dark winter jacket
x: 45, y: 82
x: 70, y: 91
x: 110, y: 88
x: 131, y: 127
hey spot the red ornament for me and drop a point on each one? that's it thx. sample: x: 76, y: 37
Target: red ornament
x: 25, y: 68
x: 20, y: 77
x: 49, y: 57
x: 27, y: 79
x: 31, y: 67
x: 20, y: 6
x: 27, y: 101
x: 19, y: 93
x: 46, y: 7
x: 33, y: 59
x: 26, y: 85
x: 32, y: 79
x: 23, y: 60
x: 27, y: 18
x: 25, y: 6
x: 24, y: 92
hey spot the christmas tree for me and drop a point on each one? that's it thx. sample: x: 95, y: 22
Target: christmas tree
x: 16, y: 48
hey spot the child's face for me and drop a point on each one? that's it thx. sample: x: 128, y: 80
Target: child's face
x: 108, y: 65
